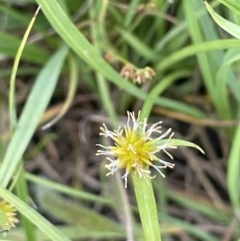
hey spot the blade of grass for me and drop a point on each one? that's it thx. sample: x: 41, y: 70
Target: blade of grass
x: 228, y: 26
x: 230, y: 57
x: 31, y: 114
x: 233, y: 171
x: 192, y: 50
x: 178, y: 142
x: 147, y: 208
x: 95, y: 13
x: 139, y: 46
x: 232, y: 4
x: 45, y: 226
x: 12, y: 107
x: 67, y: 190
x: 130, y: 12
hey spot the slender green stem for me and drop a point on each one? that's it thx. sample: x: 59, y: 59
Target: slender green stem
x: 12, y: 108
x: 101, y: 81
x: 143, y: 190
x: 147, y: 208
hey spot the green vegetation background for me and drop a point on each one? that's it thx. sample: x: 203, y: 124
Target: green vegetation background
x: 68, y: 81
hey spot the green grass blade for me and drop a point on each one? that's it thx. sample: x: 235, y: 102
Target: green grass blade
x: 12, y: 105
x: 138, y: 45
x: 232, y: 4
x: 233, y: 173
x: 96, y: 32
x: 45, y: 226
x: 194, y: 49
x: 147, y: 208
x: 33, y: 110
x: 178, y: 142
x: 228, y: 26
x: 231, y: 56
x: 131, y: 12
x: 67, y: 190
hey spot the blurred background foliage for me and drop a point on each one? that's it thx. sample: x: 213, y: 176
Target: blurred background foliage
x: 88, y: 62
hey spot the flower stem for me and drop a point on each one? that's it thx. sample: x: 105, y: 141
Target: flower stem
x: 147, y: 208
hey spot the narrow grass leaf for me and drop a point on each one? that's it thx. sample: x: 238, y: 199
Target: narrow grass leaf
x: 96, y: 11
x: 12, y: 98
x: 147, y: 208
x: 67, y: 190
x: 44, y: 225
x: 178, y: 142
x: 228, y: 26
x: 224, y: 73
x: 233, y: 172
x: 232, y: 4
x: 131, y: 12
x: 192, y: 50
x: 139, y: 46
x: 31, y: 114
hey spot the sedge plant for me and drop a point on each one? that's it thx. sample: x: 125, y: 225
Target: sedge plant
x: 136, y: 147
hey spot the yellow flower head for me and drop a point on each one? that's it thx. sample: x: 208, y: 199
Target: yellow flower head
x: 135, y: 149
x: 7, y: 216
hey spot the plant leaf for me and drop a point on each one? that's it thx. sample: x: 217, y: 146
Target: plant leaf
x: 31, y: 114
x: 44, y: 225
x: 228, y: 26
x: 233, y: 5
